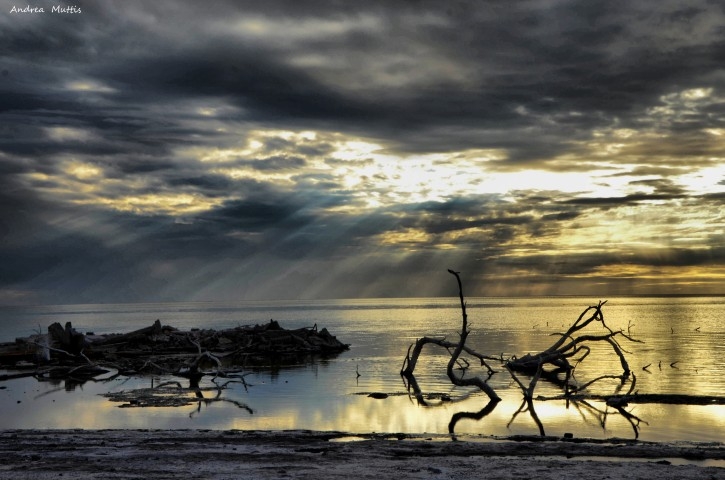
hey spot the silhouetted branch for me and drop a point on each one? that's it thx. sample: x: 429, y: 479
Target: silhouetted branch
x: 569, y: 351
x: 411, y: 359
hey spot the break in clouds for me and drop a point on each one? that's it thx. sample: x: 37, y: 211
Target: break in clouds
x: 254, y: 150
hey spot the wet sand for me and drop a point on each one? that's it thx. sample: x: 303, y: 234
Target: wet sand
x: 167, y: 454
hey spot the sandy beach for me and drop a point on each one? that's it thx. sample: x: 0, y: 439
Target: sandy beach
x: 167, y: 454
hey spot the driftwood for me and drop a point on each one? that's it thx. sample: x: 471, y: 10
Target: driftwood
x: 164, y: 349
x: 66, y: 356
x: 67, y: 339
x: 572, y: 348
x: 617, y: 400
x: 557, y: 364
x: 411, y: 359
x: 561, y: 358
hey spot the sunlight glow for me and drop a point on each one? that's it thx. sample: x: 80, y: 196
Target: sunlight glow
x: 408, y: 236
x: 83, y: 171
x: 705, y: 180
x: 164, y: 204
x: 694, y: 275
x: 676, y: 105
x: 300, y: 29
x: 89, y: 86
x: 371, y: 176
x: 66, y: 134
x: 377, y: 176
x: 436, y: 177
x: 207, y: 111
x: 696, y: 93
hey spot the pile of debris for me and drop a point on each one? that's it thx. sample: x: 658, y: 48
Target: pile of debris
x: 164, y: 349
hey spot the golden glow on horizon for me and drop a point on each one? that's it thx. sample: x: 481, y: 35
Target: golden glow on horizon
x: 683, y: 275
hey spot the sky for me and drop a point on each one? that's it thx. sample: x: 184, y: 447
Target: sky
x: 246, y: 150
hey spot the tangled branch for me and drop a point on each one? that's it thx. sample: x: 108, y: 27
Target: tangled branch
x: 563, y: 357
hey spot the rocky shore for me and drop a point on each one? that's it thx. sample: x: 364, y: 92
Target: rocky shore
x: 64, y: 352
x: 171, y: 454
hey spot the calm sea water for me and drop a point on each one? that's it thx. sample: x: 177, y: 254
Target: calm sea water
x: 683, y: 344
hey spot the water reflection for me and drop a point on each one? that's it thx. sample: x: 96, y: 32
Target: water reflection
x: 557, y: 364
x: 588, y: 410
x: 458, y: 416
x: 323, y: 396
x: 171, y: 393
x: 293, y: 401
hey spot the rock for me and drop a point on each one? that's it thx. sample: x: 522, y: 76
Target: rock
x: 378, y: 395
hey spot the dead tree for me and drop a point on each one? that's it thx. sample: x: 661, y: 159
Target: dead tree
x: 411, y: 358
x: 570, y: 350
x: 562, y: 357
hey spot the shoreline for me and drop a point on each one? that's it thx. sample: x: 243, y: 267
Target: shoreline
x: 218, y: 454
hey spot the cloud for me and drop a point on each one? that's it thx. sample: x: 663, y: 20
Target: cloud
x: 615, y: 201
x: 279, y: 149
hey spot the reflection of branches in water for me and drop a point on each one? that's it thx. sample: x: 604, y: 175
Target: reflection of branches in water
x: 490, y: 406
x: 217, y: 398
x: 414, y: 391
x: 173, y: 394
x: 234, y: 378
x: 528, y: 406
x: 71, y: 378
x: 602, y: 415
x: 581, y: 403
x: 48, y: 392
x: 585, y: 409
x: 632, y: 419
x: 207, y: 401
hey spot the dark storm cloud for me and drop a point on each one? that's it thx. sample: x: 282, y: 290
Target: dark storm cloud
x: 650, y: 170
x: 274, y: 163
x: 532, y: 211
x: 252, y: 215
x: 453, y: 224
x: 662, y: 186
x: 143, y: 165
x: 561, y: 216
x: 55, y: 260
x: 608, y: 202
x: 210, y: 185
x: 716, y: 197
x: 137, y: 90
x: 509, y: 70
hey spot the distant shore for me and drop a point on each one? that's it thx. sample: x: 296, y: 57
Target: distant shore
x: 210, y: 454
